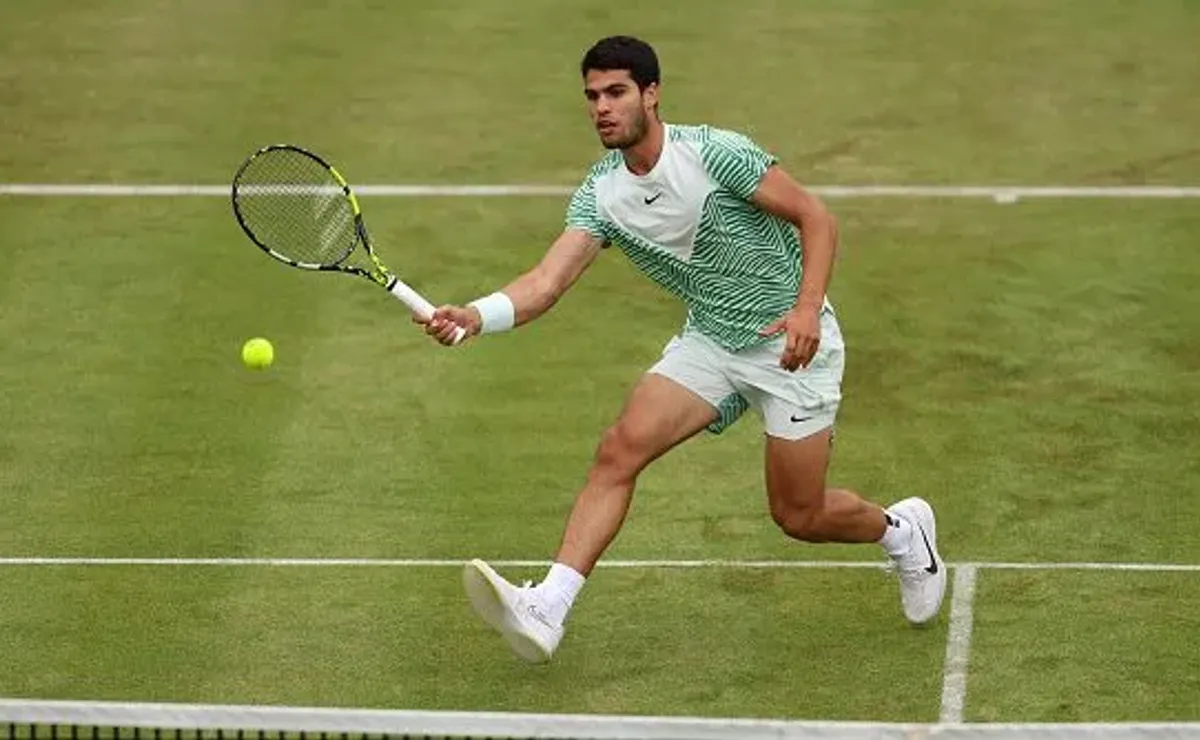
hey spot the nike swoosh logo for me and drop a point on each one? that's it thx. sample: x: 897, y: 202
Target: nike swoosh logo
x: 648, y: 201
x: 932, y: 568
x: 798, y: 419
x: 536, y: 613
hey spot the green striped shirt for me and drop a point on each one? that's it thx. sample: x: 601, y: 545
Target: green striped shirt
x: 689, y: 225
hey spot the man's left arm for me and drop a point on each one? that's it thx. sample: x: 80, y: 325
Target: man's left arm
x: 779, y: 194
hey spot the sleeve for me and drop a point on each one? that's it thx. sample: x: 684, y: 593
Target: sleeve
x: 581, y: 210
x: 735, y: 162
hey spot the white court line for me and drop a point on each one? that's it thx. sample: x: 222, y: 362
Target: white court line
x: 122, y: 190
x: 1156, y: 567
x: 958, y: 645
x: 680, y: 564
x: 1000, y: 193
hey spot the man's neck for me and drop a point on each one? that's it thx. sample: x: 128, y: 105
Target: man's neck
x: 642, y: 156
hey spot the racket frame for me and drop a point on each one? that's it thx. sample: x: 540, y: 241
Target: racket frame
x: 381, y: 275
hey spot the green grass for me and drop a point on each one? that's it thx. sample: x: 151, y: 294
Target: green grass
x: 401, y: 638
x: 1067, y: 647
x: 1031, y: 369
x: 1076, y: 91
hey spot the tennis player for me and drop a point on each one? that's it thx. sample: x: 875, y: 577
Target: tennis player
x: 716, y: 221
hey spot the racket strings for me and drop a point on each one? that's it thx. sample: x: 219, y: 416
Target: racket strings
x: 295, y: 206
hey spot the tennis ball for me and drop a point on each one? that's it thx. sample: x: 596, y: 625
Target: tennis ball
x: 258, y: 354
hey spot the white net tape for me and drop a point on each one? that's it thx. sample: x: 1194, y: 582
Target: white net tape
x: 35, y: 719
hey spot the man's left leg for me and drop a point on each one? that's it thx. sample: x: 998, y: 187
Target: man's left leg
x: 805, y: 509
x: 801, y: 504
x: 798, y: 410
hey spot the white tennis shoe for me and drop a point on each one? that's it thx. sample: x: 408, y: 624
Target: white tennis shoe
x: 516, y: 612
x: 921, y: 570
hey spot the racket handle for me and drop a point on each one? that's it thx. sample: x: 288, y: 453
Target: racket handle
x: 418, y: 305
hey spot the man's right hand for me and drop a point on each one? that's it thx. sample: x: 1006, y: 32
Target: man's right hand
x: 445, y: 319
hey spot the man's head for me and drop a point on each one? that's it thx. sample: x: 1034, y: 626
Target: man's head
x: 620, y: 81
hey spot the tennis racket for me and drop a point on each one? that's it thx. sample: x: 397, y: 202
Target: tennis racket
x: 300, y: 210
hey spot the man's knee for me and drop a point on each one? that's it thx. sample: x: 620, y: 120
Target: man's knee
x: 619, y: 456
x: 800, y: 522
x: 796, y: 485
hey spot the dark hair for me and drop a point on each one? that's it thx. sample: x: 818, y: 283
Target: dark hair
x: 623, y: 52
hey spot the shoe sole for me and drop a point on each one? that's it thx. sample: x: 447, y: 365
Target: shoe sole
x: 927, y: 521
x: 484, y: 596
x: 481, y: 583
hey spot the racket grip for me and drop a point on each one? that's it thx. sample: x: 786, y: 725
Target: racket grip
x: 418, y: 304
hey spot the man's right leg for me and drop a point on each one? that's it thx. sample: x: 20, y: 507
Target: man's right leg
x: 659, y: 414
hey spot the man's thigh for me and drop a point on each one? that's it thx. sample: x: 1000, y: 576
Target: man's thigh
x: 697, y: 364
x: 678, y: 397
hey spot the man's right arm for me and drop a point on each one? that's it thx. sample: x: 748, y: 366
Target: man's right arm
x: 525, y: 298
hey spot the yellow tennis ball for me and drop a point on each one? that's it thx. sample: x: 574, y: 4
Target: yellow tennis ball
x: 258, y: 354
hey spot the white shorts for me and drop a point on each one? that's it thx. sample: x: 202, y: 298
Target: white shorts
x: 792, y: 405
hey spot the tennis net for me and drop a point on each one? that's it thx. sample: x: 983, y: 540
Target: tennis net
x: 76, y: 720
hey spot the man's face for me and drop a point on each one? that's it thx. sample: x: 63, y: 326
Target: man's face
x: 619, y: 111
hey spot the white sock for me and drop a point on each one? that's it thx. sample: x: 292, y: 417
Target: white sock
x: 559, y: 589
x: 897, y: 537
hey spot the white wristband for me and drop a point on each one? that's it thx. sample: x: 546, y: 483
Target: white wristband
x: 497, y: 311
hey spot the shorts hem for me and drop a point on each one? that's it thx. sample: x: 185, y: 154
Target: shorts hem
x: 803, y: 429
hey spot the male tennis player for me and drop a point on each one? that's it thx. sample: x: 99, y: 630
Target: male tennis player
x: 713, y: 219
